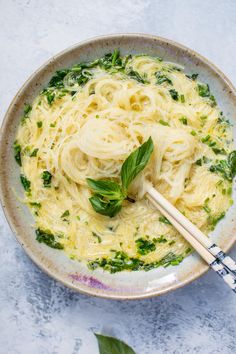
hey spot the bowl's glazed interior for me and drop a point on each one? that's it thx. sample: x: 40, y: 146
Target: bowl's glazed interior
x: 125, y: 285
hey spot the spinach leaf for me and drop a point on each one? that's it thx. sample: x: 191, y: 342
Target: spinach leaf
x: 48, y: 238
x: 111, y: 345
x: 174, y: 94
x: 135, y: 163
x: 17, y: 153
x: 25, y: 183
x: 145, y: 246
x: 47, y: 179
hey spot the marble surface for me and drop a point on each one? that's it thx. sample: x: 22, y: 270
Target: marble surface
x: 40, y: 316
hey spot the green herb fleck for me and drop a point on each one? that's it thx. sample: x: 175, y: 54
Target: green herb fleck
x: 34, y: 153
x: 184, y: 120
x: 162, y: 122
x: 65, y: 214
x: 48, y: 238
x: 39, y: 124
x: 192, y: 77
x: 174, y: 94
x: 26, y: 183
x: 27, y: 110
x: 97, y: 236
x: 164, y: 220
x: 47, y: 179
x: 145, y: 246
x: 17, y: 153
x: 226, y: 168
x: 161, y: 78
x: 136, y: 76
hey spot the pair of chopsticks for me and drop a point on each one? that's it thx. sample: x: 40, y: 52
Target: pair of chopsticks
x: 222, y: 264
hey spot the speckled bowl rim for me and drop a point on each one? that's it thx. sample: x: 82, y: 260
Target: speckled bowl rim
x: 203, y: 268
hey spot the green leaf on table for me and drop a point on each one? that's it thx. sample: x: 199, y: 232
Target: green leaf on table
x: 111, y: 345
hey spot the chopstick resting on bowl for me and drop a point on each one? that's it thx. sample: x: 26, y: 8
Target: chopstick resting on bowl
x: 222, y: 264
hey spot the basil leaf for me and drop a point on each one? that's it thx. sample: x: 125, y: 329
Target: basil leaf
x: 107, y: 208
x: 107, y: 189
x: 135, y: 163
x: 110, y: 345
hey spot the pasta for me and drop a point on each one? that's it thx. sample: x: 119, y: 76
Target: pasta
x: 86, y: 123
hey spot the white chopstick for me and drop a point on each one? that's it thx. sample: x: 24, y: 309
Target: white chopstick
x: 195, y: 237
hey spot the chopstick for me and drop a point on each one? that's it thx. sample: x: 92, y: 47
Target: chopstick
x: 223, y: 265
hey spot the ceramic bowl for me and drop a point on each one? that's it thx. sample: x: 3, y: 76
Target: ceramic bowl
x: 124, y: 285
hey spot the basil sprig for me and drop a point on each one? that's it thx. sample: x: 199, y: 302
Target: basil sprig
x: 111, y: 345
x: 108, y: 195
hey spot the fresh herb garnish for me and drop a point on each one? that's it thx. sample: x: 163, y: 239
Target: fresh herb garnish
x: 39, y: 124
x: 121, y: 261
x: 213, y: 220
x: 193, y: 133
x: 108, y: 195
x: 111, y: 345
x: 27, y: 110
x: 97, y: 236
x: 47, y: 179
x: 161, y: 78
x: 160, y: 239
x: 34, y: 153
x: 226, y: 168
x: 174, y: 94
x: 48, y: 238
x: 206, y: 206
x: 204, y: 91
x: 183, y: 120
x: 192, y: 77
x: 162, y: 122
x: 145, y: 246
x: 136, y: 76
x: 35, y: 204
x: 25, y: 183
x: 65, y: 214
x: 17, y: 153
x: 222, y: 120
x: 164, y: 220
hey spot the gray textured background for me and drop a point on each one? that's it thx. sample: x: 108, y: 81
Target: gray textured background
x: 40, y: 316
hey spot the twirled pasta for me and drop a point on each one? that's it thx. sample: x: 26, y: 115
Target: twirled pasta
x: 91, y: 133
